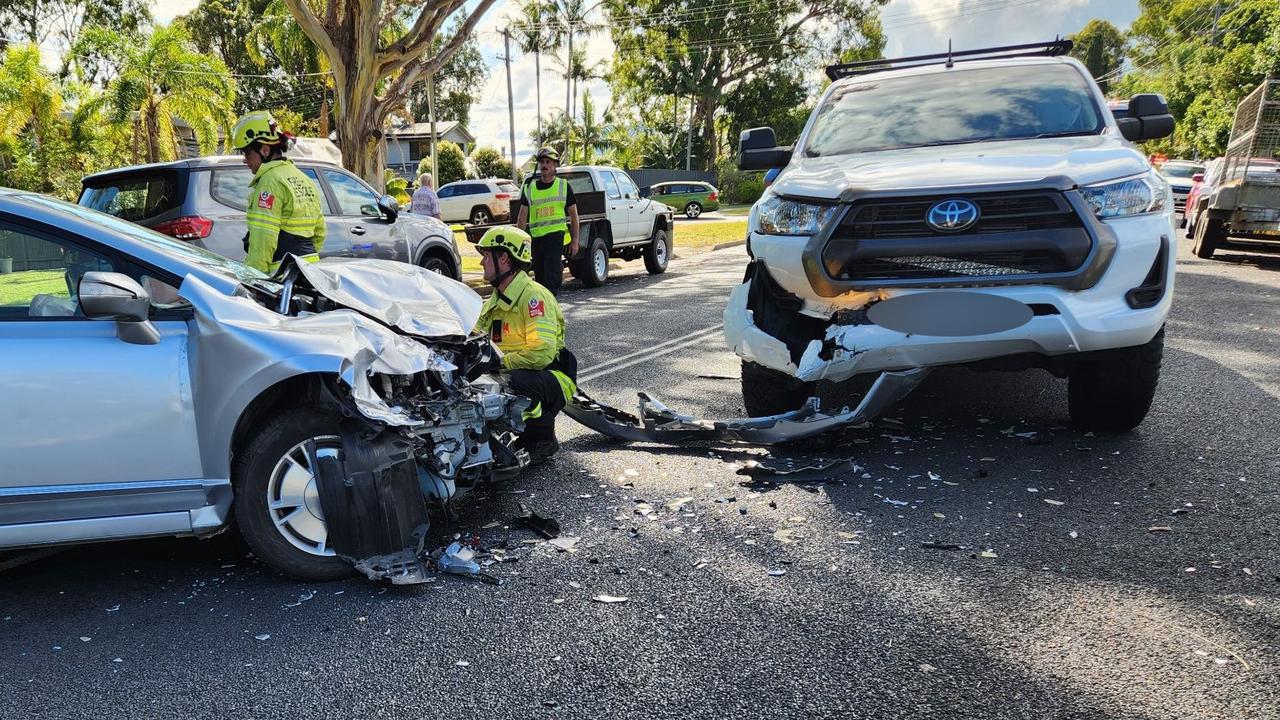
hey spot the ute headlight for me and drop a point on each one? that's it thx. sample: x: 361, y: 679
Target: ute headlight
x: 778, y: 216
x: 1135, y: 196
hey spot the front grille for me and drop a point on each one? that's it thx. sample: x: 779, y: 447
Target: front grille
x: 898, y: 218
x: 1017, y: 234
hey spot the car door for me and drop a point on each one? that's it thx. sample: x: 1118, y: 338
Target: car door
x: 88, y: 417
x: 618, y: 212
x: 640, y: 212
x: 450, y: 202
x: 364, y: 227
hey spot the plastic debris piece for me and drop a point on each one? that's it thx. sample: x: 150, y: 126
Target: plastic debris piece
x: 940, y: 516
x: 1033, y: 490
x: 491, y: 525
x: 1159, y: 528
x: 934, y: 476
x: 609, y: 599
x: 117, y: 660
x: 945, y: 482
x: 462, y: 663
x: 927, y: 668
x: 676, y: 504
x: 1073, y: 534
x: 113, y: 609
x: 1190, y: 569
x: 1248, y: 572
x: 564, y: 543
x: 934, y: 545
x: 988, y: 554
x: 304, y: 597
x: 644, y: 509
x: 458, y: 559
x: 85, y: 639
x: 263, y: 636
x: 1055, y: 503
x: 891, y: 501
x: 777, y: 572
x: 546, y: 527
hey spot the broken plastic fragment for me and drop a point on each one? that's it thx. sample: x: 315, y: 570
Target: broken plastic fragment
x: 263, y: 636
x: 932, y: 545
x: 678, y: 503
x: 1159, y: 528
x: 1054, y: 502
x: 609, y: 599
x: 564, y: 543
x: 546, y: 527
x: 988, y: 554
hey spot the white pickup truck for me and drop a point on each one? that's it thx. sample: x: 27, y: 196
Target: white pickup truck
x: 977, y: 207
x: 614, y: 221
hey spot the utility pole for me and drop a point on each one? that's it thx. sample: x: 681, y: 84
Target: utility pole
x: 511, y: 112
x: 1217, y: 13
x: 431, y: 111
x: 688, y: 148
x: 568, y: 94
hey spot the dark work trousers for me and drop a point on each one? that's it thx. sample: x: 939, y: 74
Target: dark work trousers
x: 540, y: 386
x: 548, y: 261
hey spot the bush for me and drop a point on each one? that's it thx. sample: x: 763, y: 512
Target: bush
x: 397, y: 187
x: 488, y: 162
x: 738, y: 187
x: 452, y: 163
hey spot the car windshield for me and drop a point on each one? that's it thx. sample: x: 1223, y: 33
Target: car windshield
x: 166, y: 244
x: 954, y: 107
x: 1180, y: 170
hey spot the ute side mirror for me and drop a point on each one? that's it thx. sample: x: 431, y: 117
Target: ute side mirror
x: 114, y: 296
x: 389, y: 207
x: 646, y: 192
x: 758, y: 150
x: 1148, y: 118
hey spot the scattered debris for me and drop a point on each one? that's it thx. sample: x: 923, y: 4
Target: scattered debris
x: 644, y: 509
x: 940, y: 516
x: 113, y: 608
x: 719, y: 376
x: 564, y: 543
x: 777, y: 572
x: 546, y: 527
x: 85, y: 639
x: 462, y: 663
x: 459, y: 559
x: 1073, y: 534
x: 1159, y: 528
x: 934, y: 545
x: 609, y: 599
x: 988, y: 554
x: 927, y: 668
x: 263, y: 636
x: 1055, y: 503
x: 786, y: 536
x: 304, y: 597
x: 676, y: 504
x: 934, y: 476
x: 1248, y: 572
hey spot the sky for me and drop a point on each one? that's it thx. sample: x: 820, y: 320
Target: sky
x: 912, y: 27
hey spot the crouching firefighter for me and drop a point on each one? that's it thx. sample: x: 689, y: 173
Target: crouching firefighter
x: 283, y: 215
x: 524, y: 321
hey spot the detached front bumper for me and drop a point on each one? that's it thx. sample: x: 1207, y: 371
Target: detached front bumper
x: 774, y: 319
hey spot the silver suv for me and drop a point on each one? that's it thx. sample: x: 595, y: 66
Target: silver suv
x: 153, y: 388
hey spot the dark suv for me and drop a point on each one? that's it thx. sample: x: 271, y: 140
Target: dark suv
x: 202, y: 201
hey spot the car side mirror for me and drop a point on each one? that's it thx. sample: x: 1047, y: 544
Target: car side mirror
x: 758, y: 150
x: 1198, y: 177
x: 1148, y: 118
x: 646, y: 192
x: 114, y: 296
x: 389, y: 207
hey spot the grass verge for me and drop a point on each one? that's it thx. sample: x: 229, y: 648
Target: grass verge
x: 705, y: 235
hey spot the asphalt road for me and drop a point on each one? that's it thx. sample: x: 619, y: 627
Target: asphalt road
x: 1079, y: 610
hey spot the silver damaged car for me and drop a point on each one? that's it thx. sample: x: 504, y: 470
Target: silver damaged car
x: 152, y: 388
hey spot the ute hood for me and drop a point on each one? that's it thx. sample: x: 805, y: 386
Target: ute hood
x: 1082, y: 160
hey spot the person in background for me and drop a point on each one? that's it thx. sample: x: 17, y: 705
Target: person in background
x: 425, y: 201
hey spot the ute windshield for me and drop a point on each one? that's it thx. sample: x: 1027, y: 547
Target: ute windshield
x: 957, y: 106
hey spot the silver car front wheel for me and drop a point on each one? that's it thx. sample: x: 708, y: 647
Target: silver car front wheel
x: 293, y: 500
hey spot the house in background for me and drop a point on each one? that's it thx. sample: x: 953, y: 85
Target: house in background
x: 407, y: 144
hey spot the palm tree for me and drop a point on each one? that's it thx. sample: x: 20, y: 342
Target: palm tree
x: 533, y: 35
x: 162, y: 78
x: 279, y: 39
x: 30, y: 97
x: 593, y: 132
x: 569, y: 19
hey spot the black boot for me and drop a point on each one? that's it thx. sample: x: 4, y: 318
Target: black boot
x: 540, y: 442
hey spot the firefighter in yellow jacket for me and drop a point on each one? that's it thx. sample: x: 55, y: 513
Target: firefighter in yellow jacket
x: 284, y: 213
x: 523, y: 319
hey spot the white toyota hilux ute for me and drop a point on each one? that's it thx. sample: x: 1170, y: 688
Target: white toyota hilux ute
x: 988, y: 212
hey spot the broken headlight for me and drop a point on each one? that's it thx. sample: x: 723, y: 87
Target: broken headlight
x: 779, y: 216
x: 1134, y: 196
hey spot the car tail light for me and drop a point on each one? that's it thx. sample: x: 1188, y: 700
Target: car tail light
x: 191, y: 227
x: 502, y: 196
x: 714, y: 195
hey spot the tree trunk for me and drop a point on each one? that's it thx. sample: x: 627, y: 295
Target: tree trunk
x: 324, y: 115
x: 705, y: 111
x: 363, y: 150
x: 153, y: 133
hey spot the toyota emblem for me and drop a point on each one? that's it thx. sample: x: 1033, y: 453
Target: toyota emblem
x: 952, y: 215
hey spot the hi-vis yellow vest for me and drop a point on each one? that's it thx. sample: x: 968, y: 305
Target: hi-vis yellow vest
x: 546, y: 208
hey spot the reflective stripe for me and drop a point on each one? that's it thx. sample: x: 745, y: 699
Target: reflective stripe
x: 546, y: 207
x: 567, y: 386
x: 532, y: 413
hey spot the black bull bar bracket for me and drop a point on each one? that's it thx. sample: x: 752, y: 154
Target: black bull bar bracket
x: 659, y: 424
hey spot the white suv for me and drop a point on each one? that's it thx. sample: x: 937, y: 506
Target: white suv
x: 979, y: 211
x: 477, y: 201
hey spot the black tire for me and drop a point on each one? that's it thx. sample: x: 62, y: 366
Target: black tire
x: 480, y: 215
x: 1182, y: 219
x: 692, y: 210
x: 251, y: 476
x: 592, y: 269
x: 768, y: 392
x: 658, y: 253
x: 1114, y: 391
x: 1210, y: 233
x: 438, y: 264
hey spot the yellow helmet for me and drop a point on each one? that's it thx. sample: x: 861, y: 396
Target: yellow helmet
x: 509, y: 238
x: 257, y: 126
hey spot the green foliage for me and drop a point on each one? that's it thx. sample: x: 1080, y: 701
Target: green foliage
x: 737, y: 186
x: 1203, y: 72
x: 709, y: 54
x: 1101, y: 47
x: 451, y: 163
x: 488, y: 162
x: 397, y: 187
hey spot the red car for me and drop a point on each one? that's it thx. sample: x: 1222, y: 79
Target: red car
x: 1198, y: 183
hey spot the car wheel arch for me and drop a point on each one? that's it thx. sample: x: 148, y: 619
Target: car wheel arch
x: 438, y: 249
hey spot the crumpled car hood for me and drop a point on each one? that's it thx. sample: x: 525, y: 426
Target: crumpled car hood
x: 237, y: 329
x: 412, y: 299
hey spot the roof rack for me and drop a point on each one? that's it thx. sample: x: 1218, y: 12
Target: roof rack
x: 1044, y: 49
